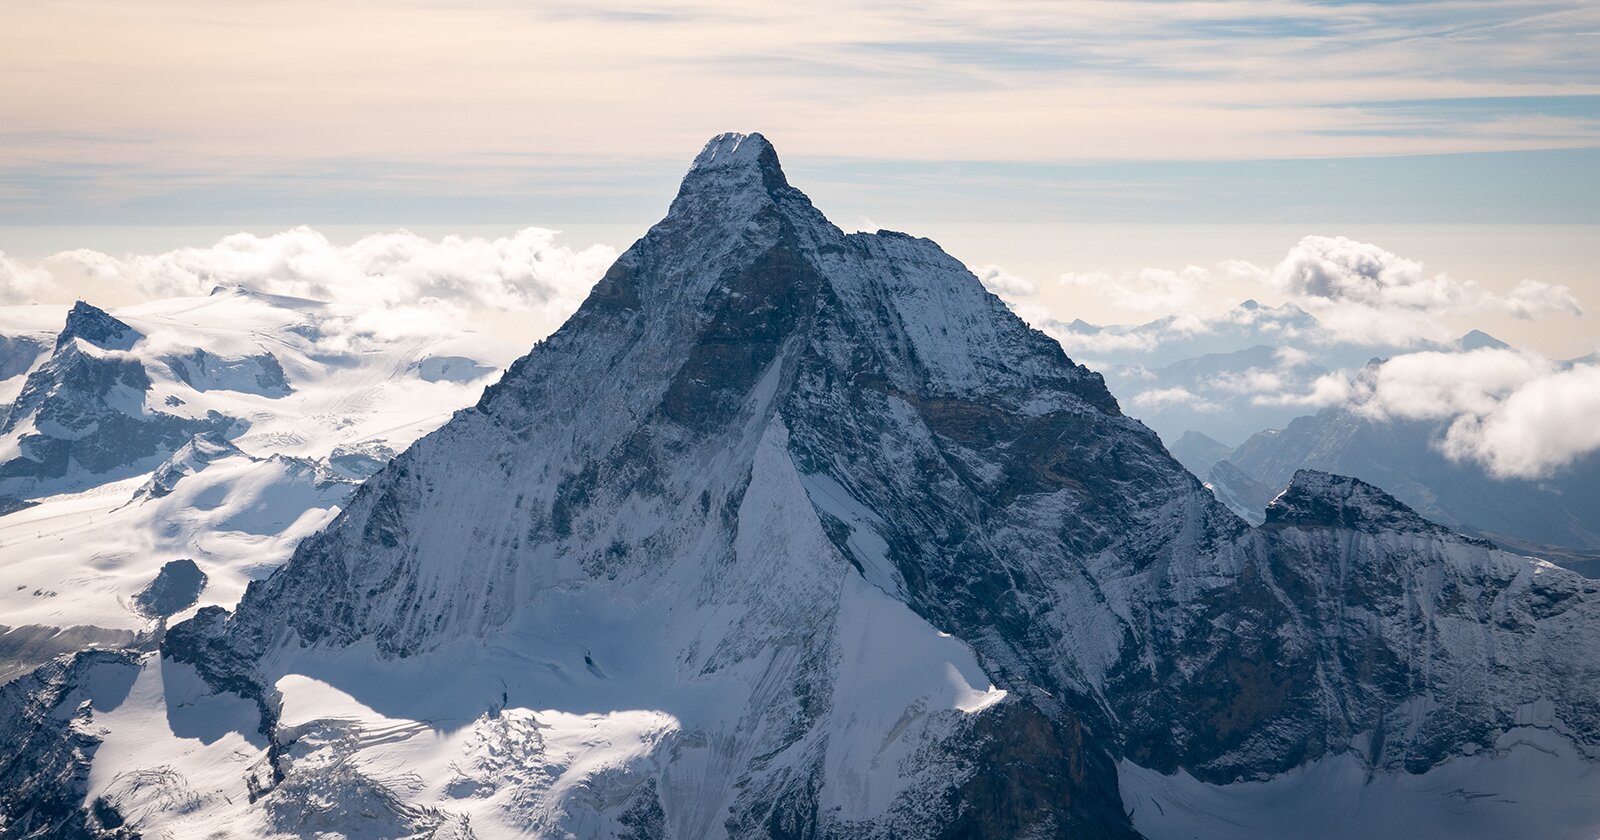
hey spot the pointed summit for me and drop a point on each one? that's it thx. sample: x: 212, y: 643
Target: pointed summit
x: 1339, y: 501
x: 1478, y: 340
x: 96, y: 326
x: 732, y: 164
x: 734, y: 151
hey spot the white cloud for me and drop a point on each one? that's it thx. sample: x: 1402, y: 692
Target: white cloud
x: 1147, y: 290
x: 1531, y: 298
x: 1089, y: 344
x: 21, y: 283
x: 1362, y: 292
x: 1518, y: 414
x: 1291, y: 357
x: 1358, y: 292
x: 1159, y: 398
x: 1542, y: 425
x: 1004, y: 283
x: 1251, y: 381
x: 414, y: 282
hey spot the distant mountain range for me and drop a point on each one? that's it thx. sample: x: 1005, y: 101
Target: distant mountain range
x: 1226, y: 377
x: 1216, y: 390
x: 217, y: 430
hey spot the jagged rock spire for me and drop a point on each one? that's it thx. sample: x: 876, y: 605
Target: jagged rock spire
x: 1319, y: 498
x: 96, y: 326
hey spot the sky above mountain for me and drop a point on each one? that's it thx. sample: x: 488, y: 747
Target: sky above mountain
x: 182, y: 110
x: 1111, y: 161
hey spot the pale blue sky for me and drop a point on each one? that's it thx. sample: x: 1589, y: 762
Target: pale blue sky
x: 200, y: 111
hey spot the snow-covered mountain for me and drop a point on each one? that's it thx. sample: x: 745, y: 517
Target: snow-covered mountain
x: 218, y: 430
x: 796, y: 533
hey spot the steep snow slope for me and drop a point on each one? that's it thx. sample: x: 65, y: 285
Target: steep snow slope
x: 792, y: 533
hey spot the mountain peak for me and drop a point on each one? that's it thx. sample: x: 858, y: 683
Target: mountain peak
x: 1319, y: 498
x: 96, y: 326
x: 734, y: 149
x: 733, y: 162
x: 1478, y: 339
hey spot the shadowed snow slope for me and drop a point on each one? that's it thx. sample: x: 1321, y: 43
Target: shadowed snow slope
x: 793, y: 533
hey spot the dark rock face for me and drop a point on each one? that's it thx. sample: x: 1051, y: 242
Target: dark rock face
x: 22, y: 649
x: 94, y: 325
x: 1335, y: 501
x: 360, y: 460
x: 1349, y: 617
x: 176, y: 588
x: 206, y: 371
x: 44, y: 770
x: 450, y: 369
x: 17, y: 354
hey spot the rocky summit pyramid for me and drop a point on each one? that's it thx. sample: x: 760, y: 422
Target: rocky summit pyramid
x: 796, y: 533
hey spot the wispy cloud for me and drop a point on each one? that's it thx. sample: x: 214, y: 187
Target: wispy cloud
x: 233, y: 89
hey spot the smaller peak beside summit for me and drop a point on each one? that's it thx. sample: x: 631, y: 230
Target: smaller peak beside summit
x: 96, y: 326
x: 1340, y: 501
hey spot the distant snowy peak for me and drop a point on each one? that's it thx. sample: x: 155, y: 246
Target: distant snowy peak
x: 83, y: 412
x: 200, y: 452
x: 1478, y: 340
x: 1198, y: 452
x: 96, y: 326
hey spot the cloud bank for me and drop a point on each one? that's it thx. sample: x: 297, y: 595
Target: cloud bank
x: 525, y: 284
x: 1359, y: 293
x: 1518, y: 414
